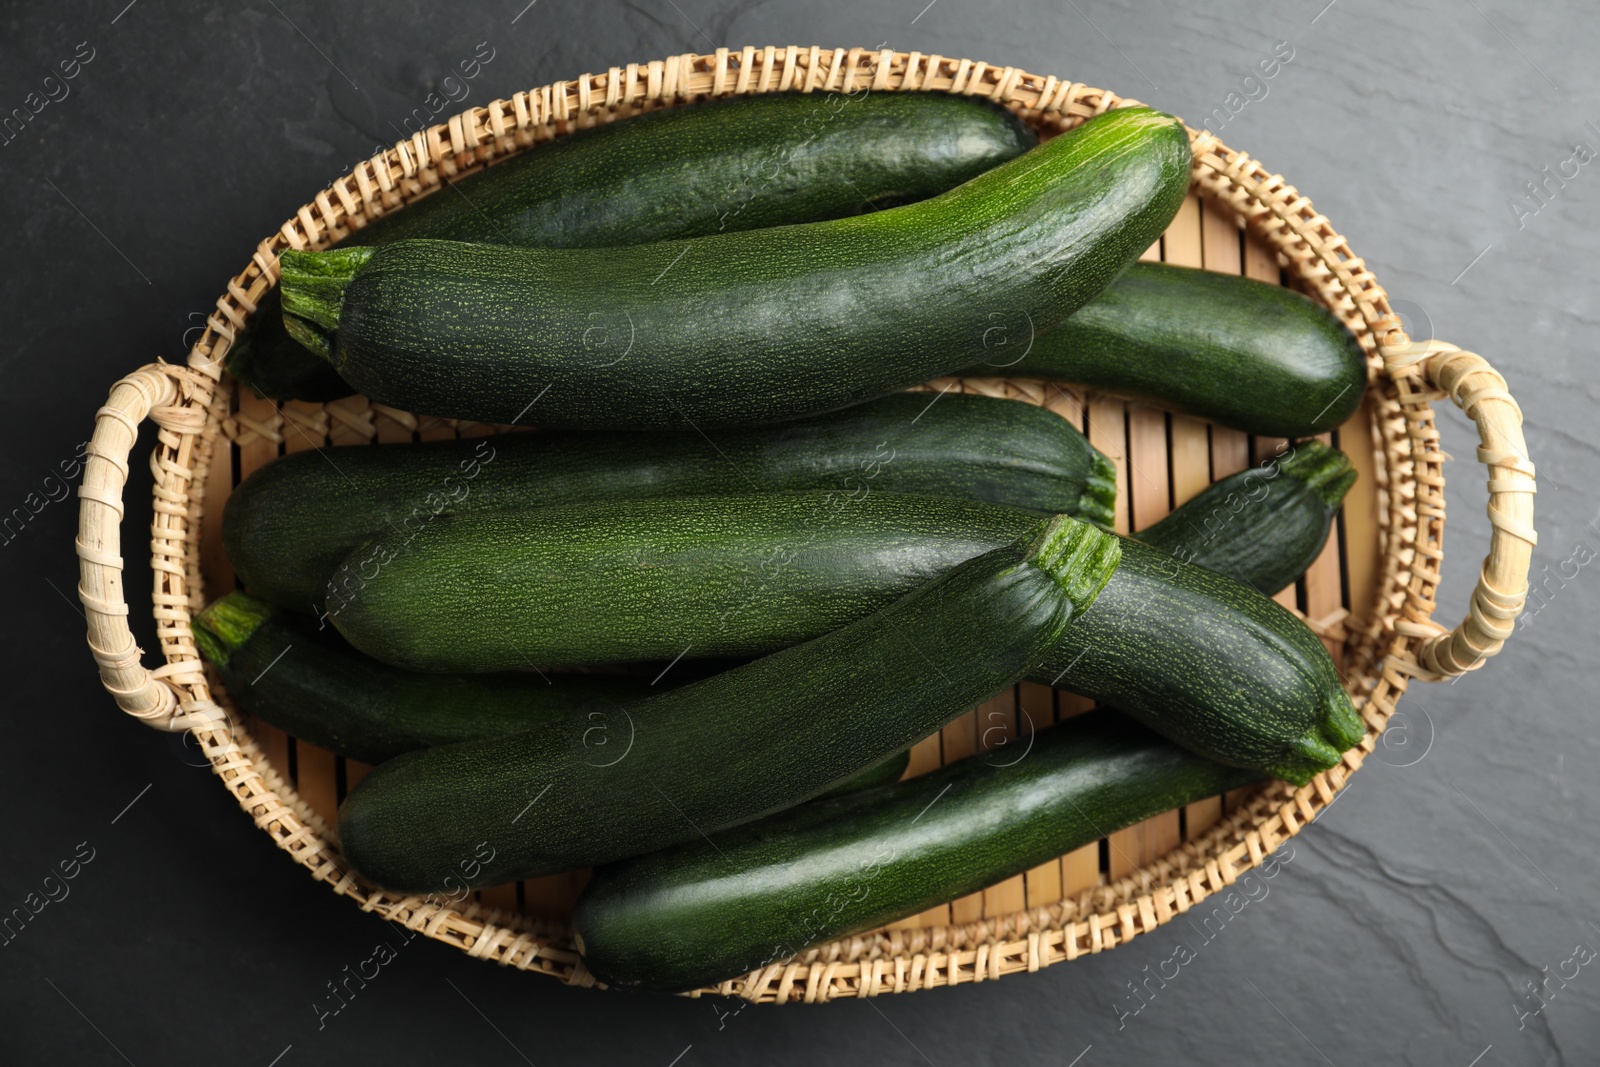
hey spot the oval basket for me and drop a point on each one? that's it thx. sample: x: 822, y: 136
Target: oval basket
x: 1371, y: 595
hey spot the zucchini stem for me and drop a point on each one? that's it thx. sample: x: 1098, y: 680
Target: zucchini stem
x: 1322, y: 467
x: 1078, y: 556
x: 312, y: 285
x: 1098, y: 503
x: 1322, y: 747
x: 226, y: 625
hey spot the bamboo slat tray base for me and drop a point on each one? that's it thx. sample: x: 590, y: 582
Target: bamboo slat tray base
x: 1371, y: 594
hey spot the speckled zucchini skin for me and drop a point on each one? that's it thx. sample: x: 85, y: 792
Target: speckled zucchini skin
x: 878, y: 774
x: 746, y: 743
x: 1209, y: 663
x: 1197, y: 655
x: 716, y: 167
x: 744, y: 328
x: 708, y: 910
x: 282, y: 669
x: 288, y: 527
x: 648, y: 579
x: 1244, y: 353
x: 1262, y: 526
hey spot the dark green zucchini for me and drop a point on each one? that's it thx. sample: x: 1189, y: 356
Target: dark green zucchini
x: 720, y: 166
x: 716, y: 908
x: 734, y: 747
x: 1209, y: 663
x: 287, y: 528
x: 288, y: 672
x: 744, y: 328
x: 1263, y: 526
x: 648, y: 579
x: 1200, y: 657
x: 1258, y: 357
x: 285, y: 670
x: 878, y: 774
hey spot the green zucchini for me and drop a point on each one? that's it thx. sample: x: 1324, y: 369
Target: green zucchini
x: 716, y: 908
x: 1200, y: 657
x: 720, y: 166
x: 290, y: 524
x: 1244, y: 353
x: 1209, y: 663
x: 734, y: 747
x: 1256, y: 526
x: 287, y: 671
x: 744, y: 328
x: 300, y: 677
x: 648, y: 579
x: 878, y: 774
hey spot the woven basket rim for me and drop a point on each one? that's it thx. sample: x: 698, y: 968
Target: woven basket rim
x: 1399, y: 643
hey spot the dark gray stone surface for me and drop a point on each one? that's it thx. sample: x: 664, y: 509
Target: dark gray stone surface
x: 1411, y: 920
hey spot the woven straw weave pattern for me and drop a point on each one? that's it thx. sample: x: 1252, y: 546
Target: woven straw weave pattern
x: 1399, y: 641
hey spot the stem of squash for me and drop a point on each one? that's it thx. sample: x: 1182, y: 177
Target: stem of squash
x: 1078, y: 556
x: 312, y: 285
x: 226, y: 624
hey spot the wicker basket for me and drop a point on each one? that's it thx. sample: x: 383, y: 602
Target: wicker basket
x: 1371, y: 595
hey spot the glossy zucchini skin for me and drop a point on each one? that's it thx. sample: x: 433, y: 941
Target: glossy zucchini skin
x: 284, y: 670
x: 648, y: 579
x: 1240, y: 352
x: 290, y: 524
x: 1262, y: 526
x: 1209, y: 663
x: 1200, y: 657
x: 720, y: 166
x: 1252, y: 687
x: 744, y: 328
x: 734, y: 747
x: 708, y: 910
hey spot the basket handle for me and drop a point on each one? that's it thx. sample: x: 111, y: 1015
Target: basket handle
x: 1502, y: 589
x: 152, y: 392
